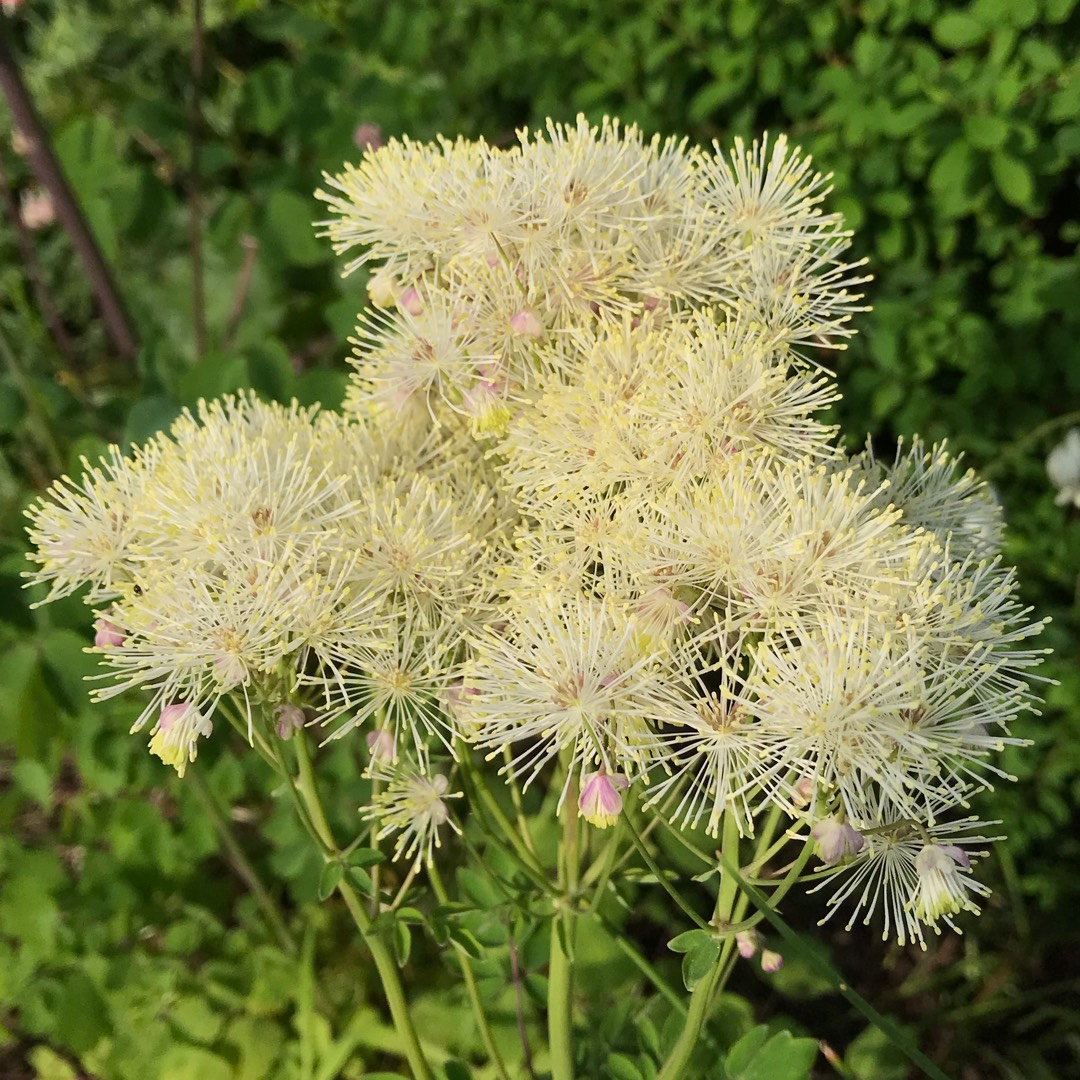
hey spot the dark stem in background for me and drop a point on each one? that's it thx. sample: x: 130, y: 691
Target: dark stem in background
x: 198, y: 304
x: 51, y: 177
x: 45, y: 302
x: 243, y: 283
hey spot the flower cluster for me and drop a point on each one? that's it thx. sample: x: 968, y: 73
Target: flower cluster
x: 583, y: 507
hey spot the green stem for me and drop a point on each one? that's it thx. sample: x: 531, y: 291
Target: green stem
x: 470, y: 984
x: 701, y: 997
x: 384, y: 963
x: 241, y: 864
x: 603, y: 866
x: 479, y: 788
x: 560, y: 968
x: 661, y: 878
x: 892, y: 1031
x: 515, y: 798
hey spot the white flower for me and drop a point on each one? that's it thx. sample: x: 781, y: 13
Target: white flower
x: 943, y: 887
x: 912, y: 871
x: 1063, y: 468
x: 413, y: 805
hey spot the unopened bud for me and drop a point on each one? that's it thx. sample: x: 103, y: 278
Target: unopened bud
x: 748, y: 942
x: 288, y: 719
x: 771, y: 962
x: 527, y: 324
x: 107, y: 634
x: 600, y: 802
x: 368, y: 136
x: 836, y: 840
x: 411, y: 302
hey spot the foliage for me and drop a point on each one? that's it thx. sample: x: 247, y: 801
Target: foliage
x: 953, y: 138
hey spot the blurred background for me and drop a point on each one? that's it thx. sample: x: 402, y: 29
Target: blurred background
x: 133, y: 942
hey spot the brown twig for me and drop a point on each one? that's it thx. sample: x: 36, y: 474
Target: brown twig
x: 198, y: 296
x: 51, y: 177
x: 49, y: 310
x: 243, y: 283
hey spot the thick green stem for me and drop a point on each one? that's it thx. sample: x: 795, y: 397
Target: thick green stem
x: 702, y: 995
x: 470, y: 984
x: 560, y: 968
x: 384, y: 962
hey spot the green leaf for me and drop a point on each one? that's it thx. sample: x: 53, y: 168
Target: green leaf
x: 197, y: 1018
x: 699, y: 962
x: 744, y: 1051
x: 1013, y: 179
x: 364, y: 856
x: 213, y: 376
x: 985, y: 131
x: 623, y: 1068
x: 33, y: 780
x: 362, y: 880
x: 27, y: 708
x: 183, y: 1062
x: 149, y: 417
x: 270, y: 370
x: 320, y: 386
x: 958, y: 30
x: 874, y: 1054
x: 402, y: 943
x: 68, y: 666
x: 49, y: 1065
x: 952, y: 168
x: 478, y: 888
x: 649, y: 1037
x: 329, y: 878
x: 689, y: 940
x: 82, y: 1014
x: 783, y: 1057
x: 270, y: 93
x: 287, y: 221
x: 460, y: 936
x: 457, y: 1070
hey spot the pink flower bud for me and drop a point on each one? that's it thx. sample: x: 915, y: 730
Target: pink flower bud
x: 836, y: 840
x: 36, y: 209
x: 526, y: 323
x: 600, y: 802
x: 804, y: 791
x: 748, y: 942
x: 382, y: 746
x: 771, y: 962
x: 288, y: 719
x: 368, y: 136
x: 411, y: 302
x: 108, y: 635
x: 173, y: 714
